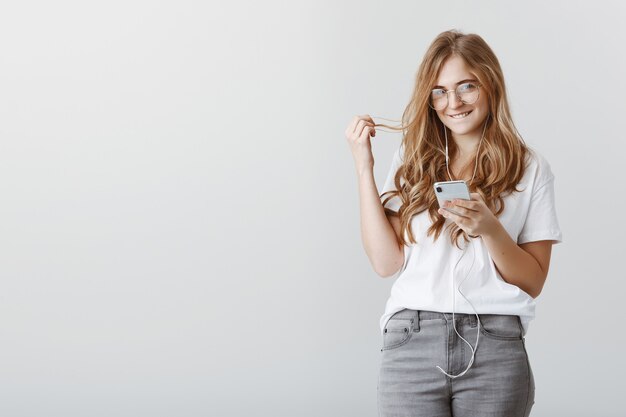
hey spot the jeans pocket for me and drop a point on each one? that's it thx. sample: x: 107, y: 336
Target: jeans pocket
x: 397, y: 332
x: 501, y: 326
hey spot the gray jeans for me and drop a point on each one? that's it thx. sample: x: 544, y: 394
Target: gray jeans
x: 499, y: 383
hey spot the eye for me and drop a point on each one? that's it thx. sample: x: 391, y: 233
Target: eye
x: 438, y: 92
x: 467, y: 87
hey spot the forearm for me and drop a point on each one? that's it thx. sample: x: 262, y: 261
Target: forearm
x: 515, y: 265
x: 377, y: 234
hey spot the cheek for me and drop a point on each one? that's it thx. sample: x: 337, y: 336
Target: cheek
x: 483, y: 103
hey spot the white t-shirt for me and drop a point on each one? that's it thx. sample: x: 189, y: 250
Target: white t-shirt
x: 425, y: 281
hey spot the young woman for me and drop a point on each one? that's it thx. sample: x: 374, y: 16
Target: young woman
x: 462, y: 277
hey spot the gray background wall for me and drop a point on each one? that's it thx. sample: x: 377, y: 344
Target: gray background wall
x: 179, y: 225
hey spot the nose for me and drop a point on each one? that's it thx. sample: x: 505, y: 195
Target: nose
x: 453, y: 100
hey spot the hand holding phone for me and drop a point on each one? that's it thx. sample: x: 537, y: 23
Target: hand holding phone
x: 451, y: 190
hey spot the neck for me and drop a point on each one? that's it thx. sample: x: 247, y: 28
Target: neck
x: 466, y: 147
x: 467, y: 143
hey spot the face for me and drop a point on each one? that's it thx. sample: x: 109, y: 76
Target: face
x: 452, y: 72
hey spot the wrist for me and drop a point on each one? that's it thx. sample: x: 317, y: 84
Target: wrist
x: 364, y: 171
x: 493, y: 232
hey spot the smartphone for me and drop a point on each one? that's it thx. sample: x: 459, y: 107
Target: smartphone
x: 451, y: 190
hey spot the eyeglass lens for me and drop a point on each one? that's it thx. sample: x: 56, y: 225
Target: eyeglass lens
x: 467, y: 93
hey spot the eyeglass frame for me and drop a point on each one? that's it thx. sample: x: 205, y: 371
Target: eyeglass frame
x: 478, y: 85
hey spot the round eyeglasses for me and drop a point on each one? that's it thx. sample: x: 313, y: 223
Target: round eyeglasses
x: 468, y: 93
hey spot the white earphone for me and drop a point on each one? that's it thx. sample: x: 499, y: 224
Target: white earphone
x: 471, y: 243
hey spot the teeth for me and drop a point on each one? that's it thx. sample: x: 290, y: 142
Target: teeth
x: 460, y: 116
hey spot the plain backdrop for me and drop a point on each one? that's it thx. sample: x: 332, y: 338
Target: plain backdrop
x: 179, y: 213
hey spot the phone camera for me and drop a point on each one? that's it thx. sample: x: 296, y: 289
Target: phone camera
x: 438, y: 189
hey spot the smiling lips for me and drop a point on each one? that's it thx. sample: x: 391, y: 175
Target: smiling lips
x: 460, y: 115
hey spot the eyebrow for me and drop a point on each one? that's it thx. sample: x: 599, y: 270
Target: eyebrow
x: 460, y: 82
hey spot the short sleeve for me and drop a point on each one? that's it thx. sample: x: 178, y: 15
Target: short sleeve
x: 541, y: 221
x: 394, y: 203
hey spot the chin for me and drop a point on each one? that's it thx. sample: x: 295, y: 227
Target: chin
x: 462, y: 131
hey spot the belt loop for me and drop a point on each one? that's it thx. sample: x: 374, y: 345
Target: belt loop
x: 472, y: 320
x: 416, y: 324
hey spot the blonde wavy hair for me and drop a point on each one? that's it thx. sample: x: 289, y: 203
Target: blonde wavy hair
x: 502, y: 153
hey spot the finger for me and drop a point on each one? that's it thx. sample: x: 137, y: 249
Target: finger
x: 354, y: 124
x: 366, y: 132
x: 449, y: 215
x: 466, y: 204
x: 359, y: 127
x: 459, y: 209
x: 363, y: 127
